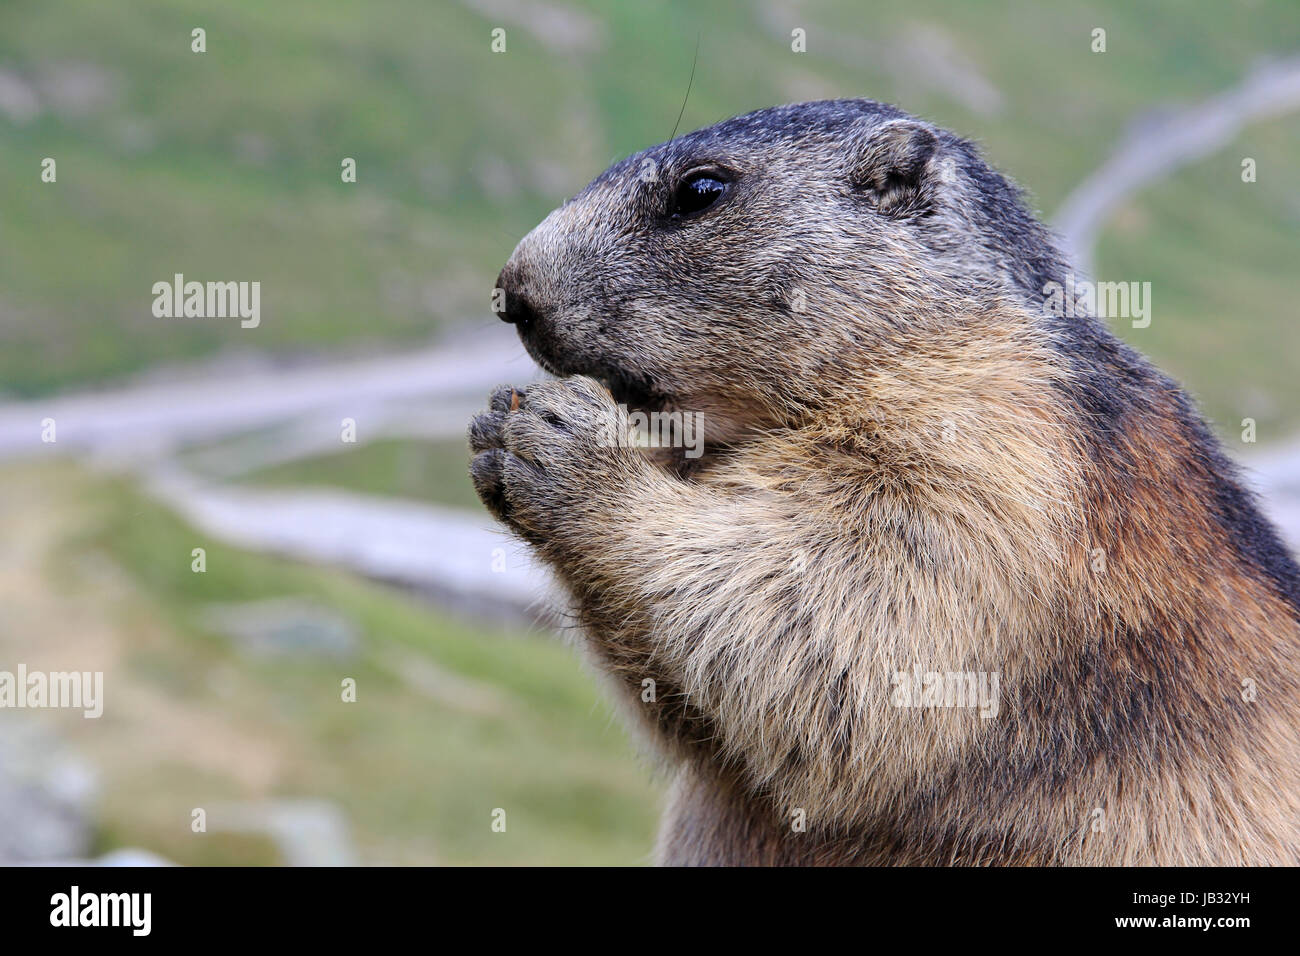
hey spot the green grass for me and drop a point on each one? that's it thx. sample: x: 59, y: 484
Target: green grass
x: 225, y: 165
x: 1222, y: 273
x: 420, y: 470
x: 417, y: 778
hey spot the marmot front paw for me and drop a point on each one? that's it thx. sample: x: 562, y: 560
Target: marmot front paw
x: 549, y: 454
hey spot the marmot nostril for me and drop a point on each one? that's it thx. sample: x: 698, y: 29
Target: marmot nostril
x: 514, y: 305
x: 519, y: 311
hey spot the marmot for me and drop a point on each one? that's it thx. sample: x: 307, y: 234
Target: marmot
x: 917, y: 479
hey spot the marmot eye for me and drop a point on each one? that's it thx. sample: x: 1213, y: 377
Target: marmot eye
x: 696, y: 193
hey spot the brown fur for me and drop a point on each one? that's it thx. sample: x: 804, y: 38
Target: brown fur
x: 925, y: 473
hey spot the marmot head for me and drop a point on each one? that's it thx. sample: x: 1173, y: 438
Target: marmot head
x: 738, y: 269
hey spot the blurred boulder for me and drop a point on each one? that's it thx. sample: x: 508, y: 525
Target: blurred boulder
x: 284, y: 626
x: 306, y: 832
x: 46, y: 794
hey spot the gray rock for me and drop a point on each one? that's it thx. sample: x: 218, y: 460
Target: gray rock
x: 284, y: 626
x: 306, y: 832
x: 46, y: 794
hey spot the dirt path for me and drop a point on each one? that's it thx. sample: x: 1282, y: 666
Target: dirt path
x: 1159, y: 142
x: 159, y: 417
x: 460, y: 557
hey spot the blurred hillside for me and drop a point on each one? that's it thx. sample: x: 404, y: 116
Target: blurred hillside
x: 453, y: 718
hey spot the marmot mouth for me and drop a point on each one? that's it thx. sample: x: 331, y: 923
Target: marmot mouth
x: 636, y: 392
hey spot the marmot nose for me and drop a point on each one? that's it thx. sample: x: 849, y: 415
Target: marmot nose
x: 515, y: 307
x: 519, y: 311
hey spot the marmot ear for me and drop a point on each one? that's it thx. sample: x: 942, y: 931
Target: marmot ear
x: 897, y: 165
